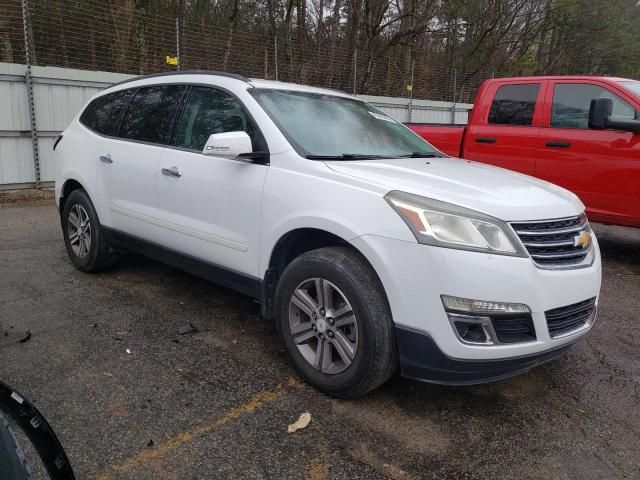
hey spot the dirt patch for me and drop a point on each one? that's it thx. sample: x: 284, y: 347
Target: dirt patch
x: 364, y: 454
x: 32, y: 196
x: 419, y: 434
x: 117, y: 408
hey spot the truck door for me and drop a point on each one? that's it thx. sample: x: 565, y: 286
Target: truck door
x: 602, y: 167
x: 505, y: 131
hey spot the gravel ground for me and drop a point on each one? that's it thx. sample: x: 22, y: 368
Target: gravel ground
x: 216, y: 403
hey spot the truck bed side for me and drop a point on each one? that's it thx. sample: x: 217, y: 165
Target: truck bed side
x: 446, y: 138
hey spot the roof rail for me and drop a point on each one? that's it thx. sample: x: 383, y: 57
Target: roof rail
x: 184, y: 72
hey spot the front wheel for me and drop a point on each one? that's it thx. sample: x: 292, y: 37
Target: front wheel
x: 334, y: 320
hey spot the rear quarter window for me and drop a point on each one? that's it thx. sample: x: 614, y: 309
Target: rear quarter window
x: 514, y: 104
x: 103, y: 115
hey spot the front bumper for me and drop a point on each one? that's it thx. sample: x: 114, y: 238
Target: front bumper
x: 414, y: 276
x: 421, y: 359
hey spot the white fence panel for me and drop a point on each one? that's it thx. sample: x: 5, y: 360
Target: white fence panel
x: 16, y: 164
x: 420, y: 111
x: 14, y: 117
x: 59, y: 93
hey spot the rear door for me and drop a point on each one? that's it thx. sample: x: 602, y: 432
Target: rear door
x: 128, y: 164
x: 211, y: 206
x: 601, y: 166
x: 506, y: 133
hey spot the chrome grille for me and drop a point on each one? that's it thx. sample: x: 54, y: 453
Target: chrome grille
x: 552, y: 243
x: 565, y: 320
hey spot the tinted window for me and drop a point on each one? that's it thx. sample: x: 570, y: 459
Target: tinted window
x: 571, y: 102
x: 514, y: 104
x: 104, y: 114
x: 210, y: 111
x: 150, y: 114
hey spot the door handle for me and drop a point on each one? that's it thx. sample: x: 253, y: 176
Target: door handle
x: 486, y: 139
x: 554, y: 144
x: 171, y: 172
x: 106, y: 159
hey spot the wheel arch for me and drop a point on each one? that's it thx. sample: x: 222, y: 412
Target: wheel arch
x: 69, y: 186
x: 290, y: 246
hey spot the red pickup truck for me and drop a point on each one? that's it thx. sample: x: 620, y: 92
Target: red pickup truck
x: 582, y: 133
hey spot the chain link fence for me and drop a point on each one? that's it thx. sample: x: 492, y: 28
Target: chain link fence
x: 94, y: 41
x: 119, y: 37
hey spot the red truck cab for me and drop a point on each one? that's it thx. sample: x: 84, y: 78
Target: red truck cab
x: 546, y: 127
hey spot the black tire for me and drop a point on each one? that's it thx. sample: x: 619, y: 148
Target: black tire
x: 376, y: 357
x: 99, y: 256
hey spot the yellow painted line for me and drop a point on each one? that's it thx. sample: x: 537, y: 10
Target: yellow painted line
x: 172, y: 442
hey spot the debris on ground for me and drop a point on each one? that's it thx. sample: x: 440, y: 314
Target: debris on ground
x: 150, y: 443
x: 128, y: 351
x: 186, y: 328
x: 26, y: 337
x: 119, y: 336
x: 302, y: 422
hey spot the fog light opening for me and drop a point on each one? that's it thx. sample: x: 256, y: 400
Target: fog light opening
x: 482, y: 322
x: 471, y: 332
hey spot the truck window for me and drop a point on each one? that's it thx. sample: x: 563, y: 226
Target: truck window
x: 514, y: 104
x: 571, y: 103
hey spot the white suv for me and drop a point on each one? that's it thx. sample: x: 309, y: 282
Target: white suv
x: 369, y: 247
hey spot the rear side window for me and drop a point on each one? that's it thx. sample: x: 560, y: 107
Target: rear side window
x: 571, y: 103
x: 150, y: 114
x: 104, y: 114
x: 514, y: 104
x: 210, y: 111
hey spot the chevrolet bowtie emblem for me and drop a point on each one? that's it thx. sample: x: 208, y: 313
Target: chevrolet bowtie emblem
x: 583, y: 240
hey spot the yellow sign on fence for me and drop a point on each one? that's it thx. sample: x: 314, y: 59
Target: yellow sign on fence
x: 171, y: 60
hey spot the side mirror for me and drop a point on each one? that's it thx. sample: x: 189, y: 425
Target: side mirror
x: 600, y: 117
x: 599, y: 112
x: 228, y: 144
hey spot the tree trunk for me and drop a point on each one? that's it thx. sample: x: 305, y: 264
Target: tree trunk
x: 233, y: 18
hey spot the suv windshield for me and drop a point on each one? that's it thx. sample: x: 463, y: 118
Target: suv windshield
x: 321, y: 126
x: 631, y: 85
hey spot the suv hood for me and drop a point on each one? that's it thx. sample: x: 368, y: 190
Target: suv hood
x: 484, y: 188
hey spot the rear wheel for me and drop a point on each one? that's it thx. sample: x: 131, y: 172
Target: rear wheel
x: 83, y: 235
x: 335, y: 322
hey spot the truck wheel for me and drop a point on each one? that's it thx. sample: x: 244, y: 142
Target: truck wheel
x: 334, y: 320
x: 83, y: 236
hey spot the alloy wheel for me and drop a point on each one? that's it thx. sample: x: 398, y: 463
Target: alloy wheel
x: 79, y: 231
x: 323, y: 325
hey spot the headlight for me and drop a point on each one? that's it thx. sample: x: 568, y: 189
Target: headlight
x: 445, y: 225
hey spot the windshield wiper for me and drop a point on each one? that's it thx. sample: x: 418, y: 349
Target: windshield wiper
x: 347, y: 156
x: 366, y: 156
x: 422, y: 155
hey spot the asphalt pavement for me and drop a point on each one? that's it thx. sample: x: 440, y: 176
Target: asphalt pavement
x: 130, y: 398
